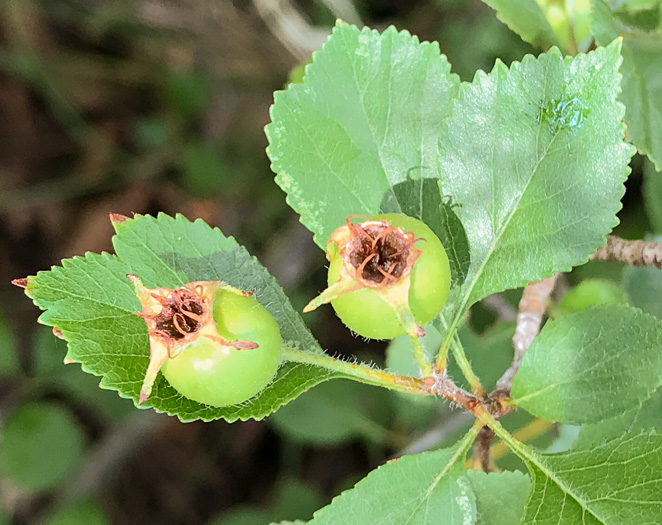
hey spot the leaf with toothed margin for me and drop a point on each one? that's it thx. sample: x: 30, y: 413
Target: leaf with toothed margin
x: 591, y: 365
x: 616, y: 483
x: 527, y: 19
x: 533, y: 158
x: 90, y: 300
x: 642, y: 74
x: 366, y: 118
x: 500, y: 497
x: 423, y: 489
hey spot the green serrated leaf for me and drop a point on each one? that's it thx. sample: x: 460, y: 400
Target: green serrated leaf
x: 534, y: 159
x: 366, y: 118
x: 642, y: 80
x: 526, y: 18
x: 93, y: 303
x: 500, y: 497
x: 617, y: 483
x: 48, y: 355
x: 413, y: 489
x: 648, y: 415
x: 591, y: 365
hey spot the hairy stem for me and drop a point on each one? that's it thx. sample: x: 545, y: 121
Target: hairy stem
x: 465, y: 367
x: 361, y: 372
x: 419, y: 355
x: 441, y: 386
x: 634, y: 253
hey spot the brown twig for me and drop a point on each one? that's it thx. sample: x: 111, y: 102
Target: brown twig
x: 500, y: 306
x: 634, y: 253
x: 529, y: 318
x: 482, y: 459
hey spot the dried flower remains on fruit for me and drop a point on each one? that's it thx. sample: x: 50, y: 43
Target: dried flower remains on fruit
x: 388, y: 276
x: 215, y: 344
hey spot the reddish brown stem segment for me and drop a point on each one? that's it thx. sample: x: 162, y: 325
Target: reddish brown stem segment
x: 634, y: 253
x: 482, y: 459
x: 529, y: 318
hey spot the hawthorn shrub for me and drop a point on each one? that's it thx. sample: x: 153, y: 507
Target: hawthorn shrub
x: 520, y: 175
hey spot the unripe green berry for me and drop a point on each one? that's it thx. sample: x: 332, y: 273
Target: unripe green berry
x: 213, y: 343
x: 374, y: 261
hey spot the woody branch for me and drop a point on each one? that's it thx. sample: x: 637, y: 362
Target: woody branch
x: 634, y: 253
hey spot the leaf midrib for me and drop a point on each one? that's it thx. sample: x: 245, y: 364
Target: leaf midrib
x: 502, y: 229
x: 461, y: 450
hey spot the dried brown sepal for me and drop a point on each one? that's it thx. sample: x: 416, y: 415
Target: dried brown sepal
x: 177, y: 317
x: 375, y: 253
x: 118, y: 217
x: 21, y: 283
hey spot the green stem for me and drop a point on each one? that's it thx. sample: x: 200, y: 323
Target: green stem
x: 467, y: 371
x: 421, y: 358
x: 397, y: 297
x: 452, y: 341
x: 360, y: 372
x: 449, y: 336
x: 468, y: 439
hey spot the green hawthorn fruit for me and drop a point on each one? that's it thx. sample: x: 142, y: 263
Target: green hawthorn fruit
x: 381, y: 267
x: 213, y: 343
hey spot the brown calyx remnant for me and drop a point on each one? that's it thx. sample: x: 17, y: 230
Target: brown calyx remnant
x: 177, y: 317
x: 181, y: 316
x: 376, y: 252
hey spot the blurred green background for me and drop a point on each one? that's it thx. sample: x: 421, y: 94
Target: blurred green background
x: 141, y: 106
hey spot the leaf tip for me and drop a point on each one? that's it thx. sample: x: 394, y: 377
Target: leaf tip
x: 58, y: 333
x: 117, y: 218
